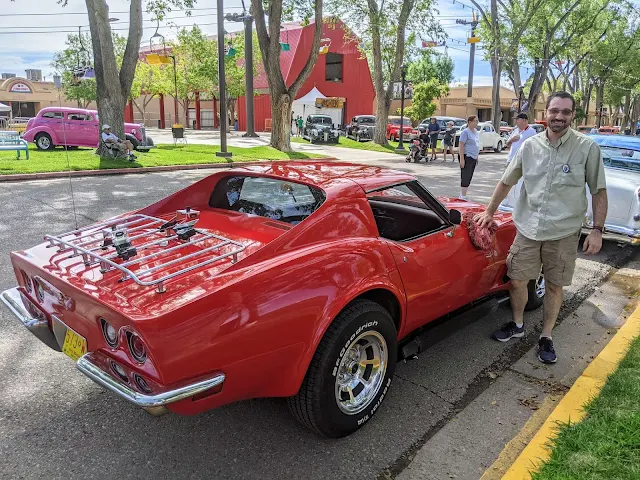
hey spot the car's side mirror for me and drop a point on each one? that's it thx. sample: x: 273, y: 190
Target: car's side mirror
x: 455, y: 217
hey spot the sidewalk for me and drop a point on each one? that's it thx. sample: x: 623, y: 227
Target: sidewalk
x: 489, y: 434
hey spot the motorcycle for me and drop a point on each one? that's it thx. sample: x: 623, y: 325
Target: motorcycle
x: 415, y: 154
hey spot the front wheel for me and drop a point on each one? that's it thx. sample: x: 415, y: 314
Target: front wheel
x: 498, y: 148
x: 43, y: 141
x: 350, y: 373
x: 536, y: 289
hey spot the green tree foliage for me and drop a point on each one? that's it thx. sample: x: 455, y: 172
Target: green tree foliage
x: 78, y: 52
x: 424, y: 95
x: 430, y: 65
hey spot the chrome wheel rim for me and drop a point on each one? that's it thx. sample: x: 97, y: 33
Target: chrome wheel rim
x: 361, y: 372
x: 540, y: 286
x: 44, y: 143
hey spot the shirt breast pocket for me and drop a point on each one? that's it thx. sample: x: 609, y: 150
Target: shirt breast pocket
x: 570, y: 175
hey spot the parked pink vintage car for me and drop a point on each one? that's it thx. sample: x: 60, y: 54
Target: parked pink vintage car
x: 76, y: 127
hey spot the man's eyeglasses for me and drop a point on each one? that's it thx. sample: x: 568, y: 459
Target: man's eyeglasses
x: 555, y: 111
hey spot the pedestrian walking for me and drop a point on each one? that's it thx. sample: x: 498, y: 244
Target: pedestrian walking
x: 519, y: 134
x: 434, y: 131
x: 548, y: 215
x: 448, y: 141
x: 468, y: 153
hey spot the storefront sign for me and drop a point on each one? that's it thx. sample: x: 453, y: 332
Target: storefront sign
x: 20, y: 88
x: 330, y: 102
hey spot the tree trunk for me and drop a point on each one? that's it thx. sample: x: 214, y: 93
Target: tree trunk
x: 517, y: 81
x: 113, y: 86
x: 281, y: 122
x: 627, y: 106
x: 383, y: 104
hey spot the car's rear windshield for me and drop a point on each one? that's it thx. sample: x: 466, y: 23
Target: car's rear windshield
x: 622, y: 158
x: 322, y: 120
x: 282, y: 200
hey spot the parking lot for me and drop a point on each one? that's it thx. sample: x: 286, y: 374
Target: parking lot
x: 56, y: 423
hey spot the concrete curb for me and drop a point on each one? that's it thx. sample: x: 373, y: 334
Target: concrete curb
x: 168, y: 168
x: 570, y: 408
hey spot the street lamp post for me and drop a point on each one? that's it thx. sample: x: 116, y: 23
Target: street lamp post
x: 403, y: 73
x: 248, y: 62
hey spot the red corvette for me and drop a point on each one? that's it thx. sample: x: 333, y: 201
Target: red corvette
x: 299, y: 280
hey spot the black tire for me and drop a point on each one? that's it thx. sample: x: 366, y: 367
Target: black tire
x: 498, y: 148
x: 134, y: 141
x: 316, y: 404
x: 43, y: 142
x: 150, y: 142
x: 536, y: 289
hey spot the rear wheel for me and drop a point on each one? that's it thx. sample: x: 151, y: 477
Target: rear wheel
x: 350, y: 373
x: 43, y: 141
x: 498, y: 148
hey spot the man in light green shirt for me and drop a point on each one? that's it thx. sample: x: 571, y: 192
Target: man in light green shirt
x: 552, y: 204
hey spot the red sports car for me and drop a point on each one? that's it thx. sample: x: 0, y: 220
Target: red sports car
x: 300, y: 280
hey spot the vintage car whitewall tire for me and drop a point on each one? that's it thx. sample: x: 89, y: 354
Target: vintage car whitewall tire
x: 43, y: 141
x: 498, y: 148
x: 350, y: 373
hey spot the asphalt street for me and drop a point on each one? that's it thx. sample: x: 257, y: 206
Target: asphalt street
x: 56, y: 423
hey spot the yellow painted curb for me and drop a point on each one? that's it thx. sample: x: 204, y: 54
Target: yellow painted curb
x: 570, y: 407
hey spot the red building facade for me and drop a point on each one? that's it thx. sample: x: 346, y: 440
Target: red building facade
x: 339, y: 72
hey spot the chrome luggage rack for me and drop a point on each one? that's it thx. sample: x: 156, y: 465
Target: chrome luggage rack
x: 103, y: 244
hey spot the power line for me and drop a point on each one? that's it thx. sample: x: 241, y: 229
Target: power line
x: 110, y: 13
x: 113, y: 29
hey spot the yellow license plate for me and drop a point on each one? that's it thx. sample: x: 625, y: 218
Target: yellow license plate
x: 74, y: 345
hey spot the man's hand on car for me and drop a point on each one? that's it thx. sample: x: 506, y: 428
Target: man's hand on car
x: 483, y: 219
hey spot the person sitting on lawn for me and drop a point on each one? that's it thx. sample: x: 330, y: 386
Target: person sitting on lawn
x: 111, y: 140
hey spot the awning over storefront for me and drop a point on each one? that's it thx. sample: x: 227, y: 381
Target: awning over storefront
x: 4, y: 108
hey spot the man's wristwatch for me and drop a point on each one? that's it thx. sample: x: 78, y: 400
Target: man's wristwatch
x: 599, y: 228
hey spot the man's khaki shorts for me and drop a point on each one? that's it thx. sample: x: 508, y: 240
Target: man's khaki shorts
x: 558, y: 257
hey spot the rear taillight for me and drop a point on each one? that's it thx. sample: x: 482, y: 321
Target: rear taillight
x: 110, y: 333
x: 137, y: 348
x: 27, y: 282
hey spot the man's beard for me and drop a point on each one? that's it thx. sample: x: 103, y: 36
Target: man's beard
x: 558, y: 127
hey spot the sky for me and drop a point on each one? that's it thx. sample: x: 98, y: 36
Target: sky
x: 31, y: 31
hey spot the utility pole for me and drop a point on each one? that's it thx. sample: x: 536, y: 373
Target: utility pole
x: 224, y: 123
x: 474, y: 24
x: 248, y: 62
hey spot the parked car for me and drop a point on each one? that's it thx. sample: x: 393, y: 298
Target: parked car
x: 294, y: 279
x: 361, y: 127
x: 76, y: 127
x: 393, y: 128
x: 609, y: 130
x: 320, y: 128
x: 585, y: 129
x: 538, y: 127
x: 621, y: 156
x: 505, y: 129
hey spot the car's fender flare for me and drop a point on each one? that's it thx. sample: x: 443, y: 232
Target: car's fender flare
x: 334, y: 310
x: 43, y: 129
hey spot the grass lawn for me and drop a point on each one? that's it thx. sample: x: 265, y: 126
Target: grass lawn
x: 606, y: 443
x: 84, y: 158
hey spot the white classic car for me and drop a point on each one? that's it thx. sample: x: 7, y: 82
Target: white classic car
x: 621, y: 156
x: 489, y: 138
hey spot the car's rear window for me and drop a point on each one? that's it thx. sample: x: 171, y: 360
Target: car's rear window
x: 282, y: 200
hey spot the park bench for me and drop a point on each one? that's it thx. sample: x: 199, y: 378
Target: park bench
x: 11, y: 141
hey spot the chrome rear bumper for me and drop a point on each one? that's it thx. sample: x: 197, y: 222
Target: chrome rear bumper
x: 95, y: 364
x: 88, y: 365
x: 12, y: 298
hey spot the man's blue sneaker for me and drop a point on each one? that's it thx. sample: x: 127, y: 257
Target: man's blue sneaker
x: 508, y: 331
x: 546, y: 353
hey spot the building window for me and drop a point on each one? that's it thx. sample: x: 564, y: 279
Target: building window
x: 334, y: 67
